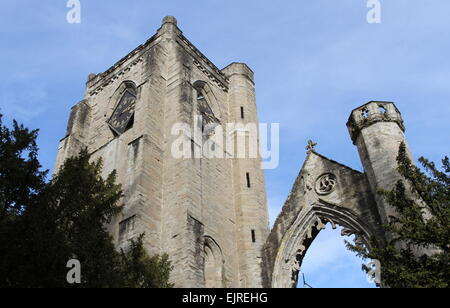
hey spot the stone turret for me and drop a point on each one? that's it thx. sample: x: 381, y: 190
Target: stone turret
x: 377, y: 129
x: 249, y: 188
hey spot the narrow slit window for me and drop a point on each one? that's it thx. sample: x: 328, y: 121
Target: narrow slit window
x: 249, y: 184
x: 192, y: 148
x: 253, y: 236
x: 242, y: 113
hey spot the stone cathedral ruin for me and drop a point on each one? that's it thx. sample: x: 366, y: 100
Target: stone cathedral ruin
x: 210, y: 215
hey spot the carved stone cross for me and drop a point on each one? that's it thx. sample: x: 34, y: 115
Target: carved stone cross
x: 311, y: 147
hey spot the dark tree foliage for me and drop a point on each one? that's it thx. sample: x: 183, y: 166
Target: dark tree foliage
x: 44, y: 225
x: 21, y: 182
x: 20, y: 175
x: 81, y: 203
x: 142, y: 271
x: 417, y: 256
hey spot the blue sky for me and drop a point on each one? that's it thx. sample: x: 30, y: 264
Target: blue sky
x: 314, y: 62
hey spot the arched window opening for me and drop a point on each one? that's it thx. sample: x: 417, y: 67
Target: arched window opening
x: 213, y: 270
x: 329, y: 264
x: 204, y: 110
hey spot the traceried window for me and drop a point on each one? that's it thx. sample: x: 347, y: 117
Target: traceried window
x: 209, y: 119
x: 365, y: 113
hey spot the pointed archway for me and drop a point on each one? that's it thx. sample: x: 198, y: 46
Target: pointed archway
x: 302, y: 234
x: 213, y: 264
x: 324, y: 192
x: 328, y: 263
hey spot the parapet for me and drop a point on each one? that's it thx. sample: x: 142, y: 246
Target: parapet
x: 370, y: 113
x: 236, y: 68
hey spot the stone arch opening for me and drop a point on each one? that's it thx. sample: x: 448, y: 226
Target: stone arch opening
x: 213, y: 264
x: 206, y: 99
x: 328, y: 263
x: 301, y: 234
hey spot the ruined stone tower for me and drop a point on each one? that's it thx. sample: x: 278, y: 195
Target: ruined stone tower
x: 209, y: 214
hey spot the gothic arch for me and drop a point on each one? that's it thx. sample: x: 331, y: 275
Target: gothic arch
x: 211, y: 98
x: 324, y: 192
x: 213, y: 264
x: 302, y: 233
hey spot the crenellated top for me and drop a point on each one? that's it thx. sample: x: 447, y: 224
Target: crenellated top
x: 371, y: 113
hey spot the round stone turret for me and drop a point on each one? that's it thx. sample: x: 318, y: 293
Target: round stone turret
x: 371, y: 113
x: 377, y: 130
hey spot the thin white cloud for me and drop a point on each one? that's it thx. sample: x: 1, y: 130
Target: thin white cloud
x: 23, y: 102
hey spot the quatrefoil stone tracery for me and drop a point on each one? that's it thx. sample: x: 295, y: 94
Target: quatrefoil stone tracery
x: 325, y: 184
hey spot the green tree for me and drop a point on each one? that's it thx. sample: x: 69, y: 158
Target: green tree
x: 142, y: 271
x: 81, y: 203
x: 21, y: 182
x: 84, y: 203
x: 419, y: 226
x: 44, y: 225
x: 20, y: 176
